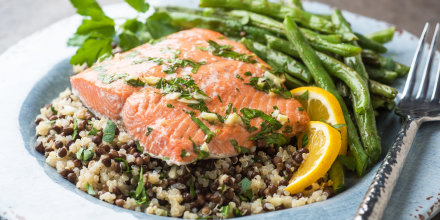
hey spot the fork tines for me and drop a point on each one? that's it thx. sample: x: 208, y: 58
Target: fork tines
x: 424, y: 83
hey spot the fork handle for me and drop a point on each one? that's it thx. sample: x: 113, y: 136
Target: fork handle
x: 375, y: 201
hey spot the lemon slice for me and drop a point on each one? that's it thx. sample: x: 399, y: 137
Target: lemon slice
x: 324, y: 143
x: 321, y: 105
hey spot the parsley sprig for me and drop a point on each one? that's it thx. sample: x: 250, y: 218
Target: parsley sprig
x: 98, y: 32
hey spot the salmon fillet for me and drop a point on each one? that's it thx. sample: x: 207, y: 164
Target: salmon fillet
x: 168, y: 127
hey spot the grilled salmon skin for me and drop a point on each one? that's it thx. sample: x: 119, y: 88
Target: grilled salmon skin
x: 193, y: 95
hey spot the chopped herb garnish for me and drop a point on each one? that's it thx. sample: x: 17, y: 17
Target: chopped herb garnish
x: 228, y: 109
x: 269, y: 126
x: 225, y: 210
x: 149, y: 130
x: 238, y: 90
x: 93, y: 131
x: 75, y: 129
x: 100, y: 69
x: 134, y: 82
x: 170, y: 66
x: 237, y: 212
x: 266, y: 85
x: 166, y: 158
x: 300, y: 109
x: 127, y: 167
x: 139, y: 147
x: 287, y: 129
x: 248, y: 73
x: 238, y: 148
x: 90, y: 189
x: 219, y: 99
x: 226, y: 51
x: 84, y: 154
x: 131, y: 55
x: 239, y: 77
x: 109, y: 78
x: 140, y: 194
x: 222, y: 188
x: 245, y: 183
x: 201, y: 106
x: 185, y: 86
x: 204, y: 128
x: 53, y: 110
x: 201, y: 153
x: 305, y: 95
x: 334, y: 126
x: 190, y: 183
x: 183, y: 153
x: 338, y: 126
x: 109, y: 132
x: 305, y: 140
x: 170, y: 106
x: 275, y: 107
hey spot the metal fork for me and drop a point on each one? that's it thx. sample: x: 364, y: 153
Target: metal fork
x: 414, y: 108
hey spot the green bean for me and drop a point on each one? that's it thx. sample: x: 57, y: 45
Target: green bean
x: 367, y: 43
x: 284, y: 46
x: 366, y: 121
x: 188, y: 20
x: 353, y: 80
x: 323, y: 80
x: 275, y: 10
x: 298, y: 4
x: 279, y: 60
x: 374, y: 59
x: 331, y: 38
x: 314, y: 39
x: 256, y: 33
x: 336, y: 174
x: 383, y: 90
x: 382, y: 75
x: 379, y: 102
x: 292, y: 82
x: 382, y: 36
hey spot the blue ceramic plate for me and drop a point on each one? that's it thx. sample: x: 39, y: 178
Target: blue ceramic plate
x: 35, y: 70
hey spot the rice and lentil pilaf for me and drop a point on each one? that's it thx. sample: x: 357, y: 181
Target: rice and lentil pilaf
x: 219, y: 188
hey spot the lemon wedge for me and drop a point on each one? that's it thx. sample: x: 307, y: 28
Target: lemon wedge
x: 321, y: 105
x: 324, y: 143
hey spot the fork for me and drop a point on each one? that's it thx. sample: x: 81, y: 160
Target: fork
x: 414, y: 108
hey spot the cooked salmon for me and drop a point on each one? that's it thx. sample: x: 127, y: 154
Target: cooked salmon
x: 182, y: 96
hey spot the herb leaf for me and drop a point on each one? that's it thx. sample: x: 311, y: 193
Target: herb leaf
x: 226, y: 51
x: 109, y: 132
x: 238, y: 148
x: 269, y: 126
x: 305, y: 140
x: 305, y: 95
x: 128, y: 168
x: 90, y: 189
x: 190, y: 183
x: 140, y: 194
x: 149, y: 130
x: 183, y: 153
x: 204, y: 128
x: 139, y: 5
x: 84, y: 154
x: 93, y: 131
x: 139, y: 147
x: 53, y: 110
x: 109, y: 78
x: 75, y: 129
